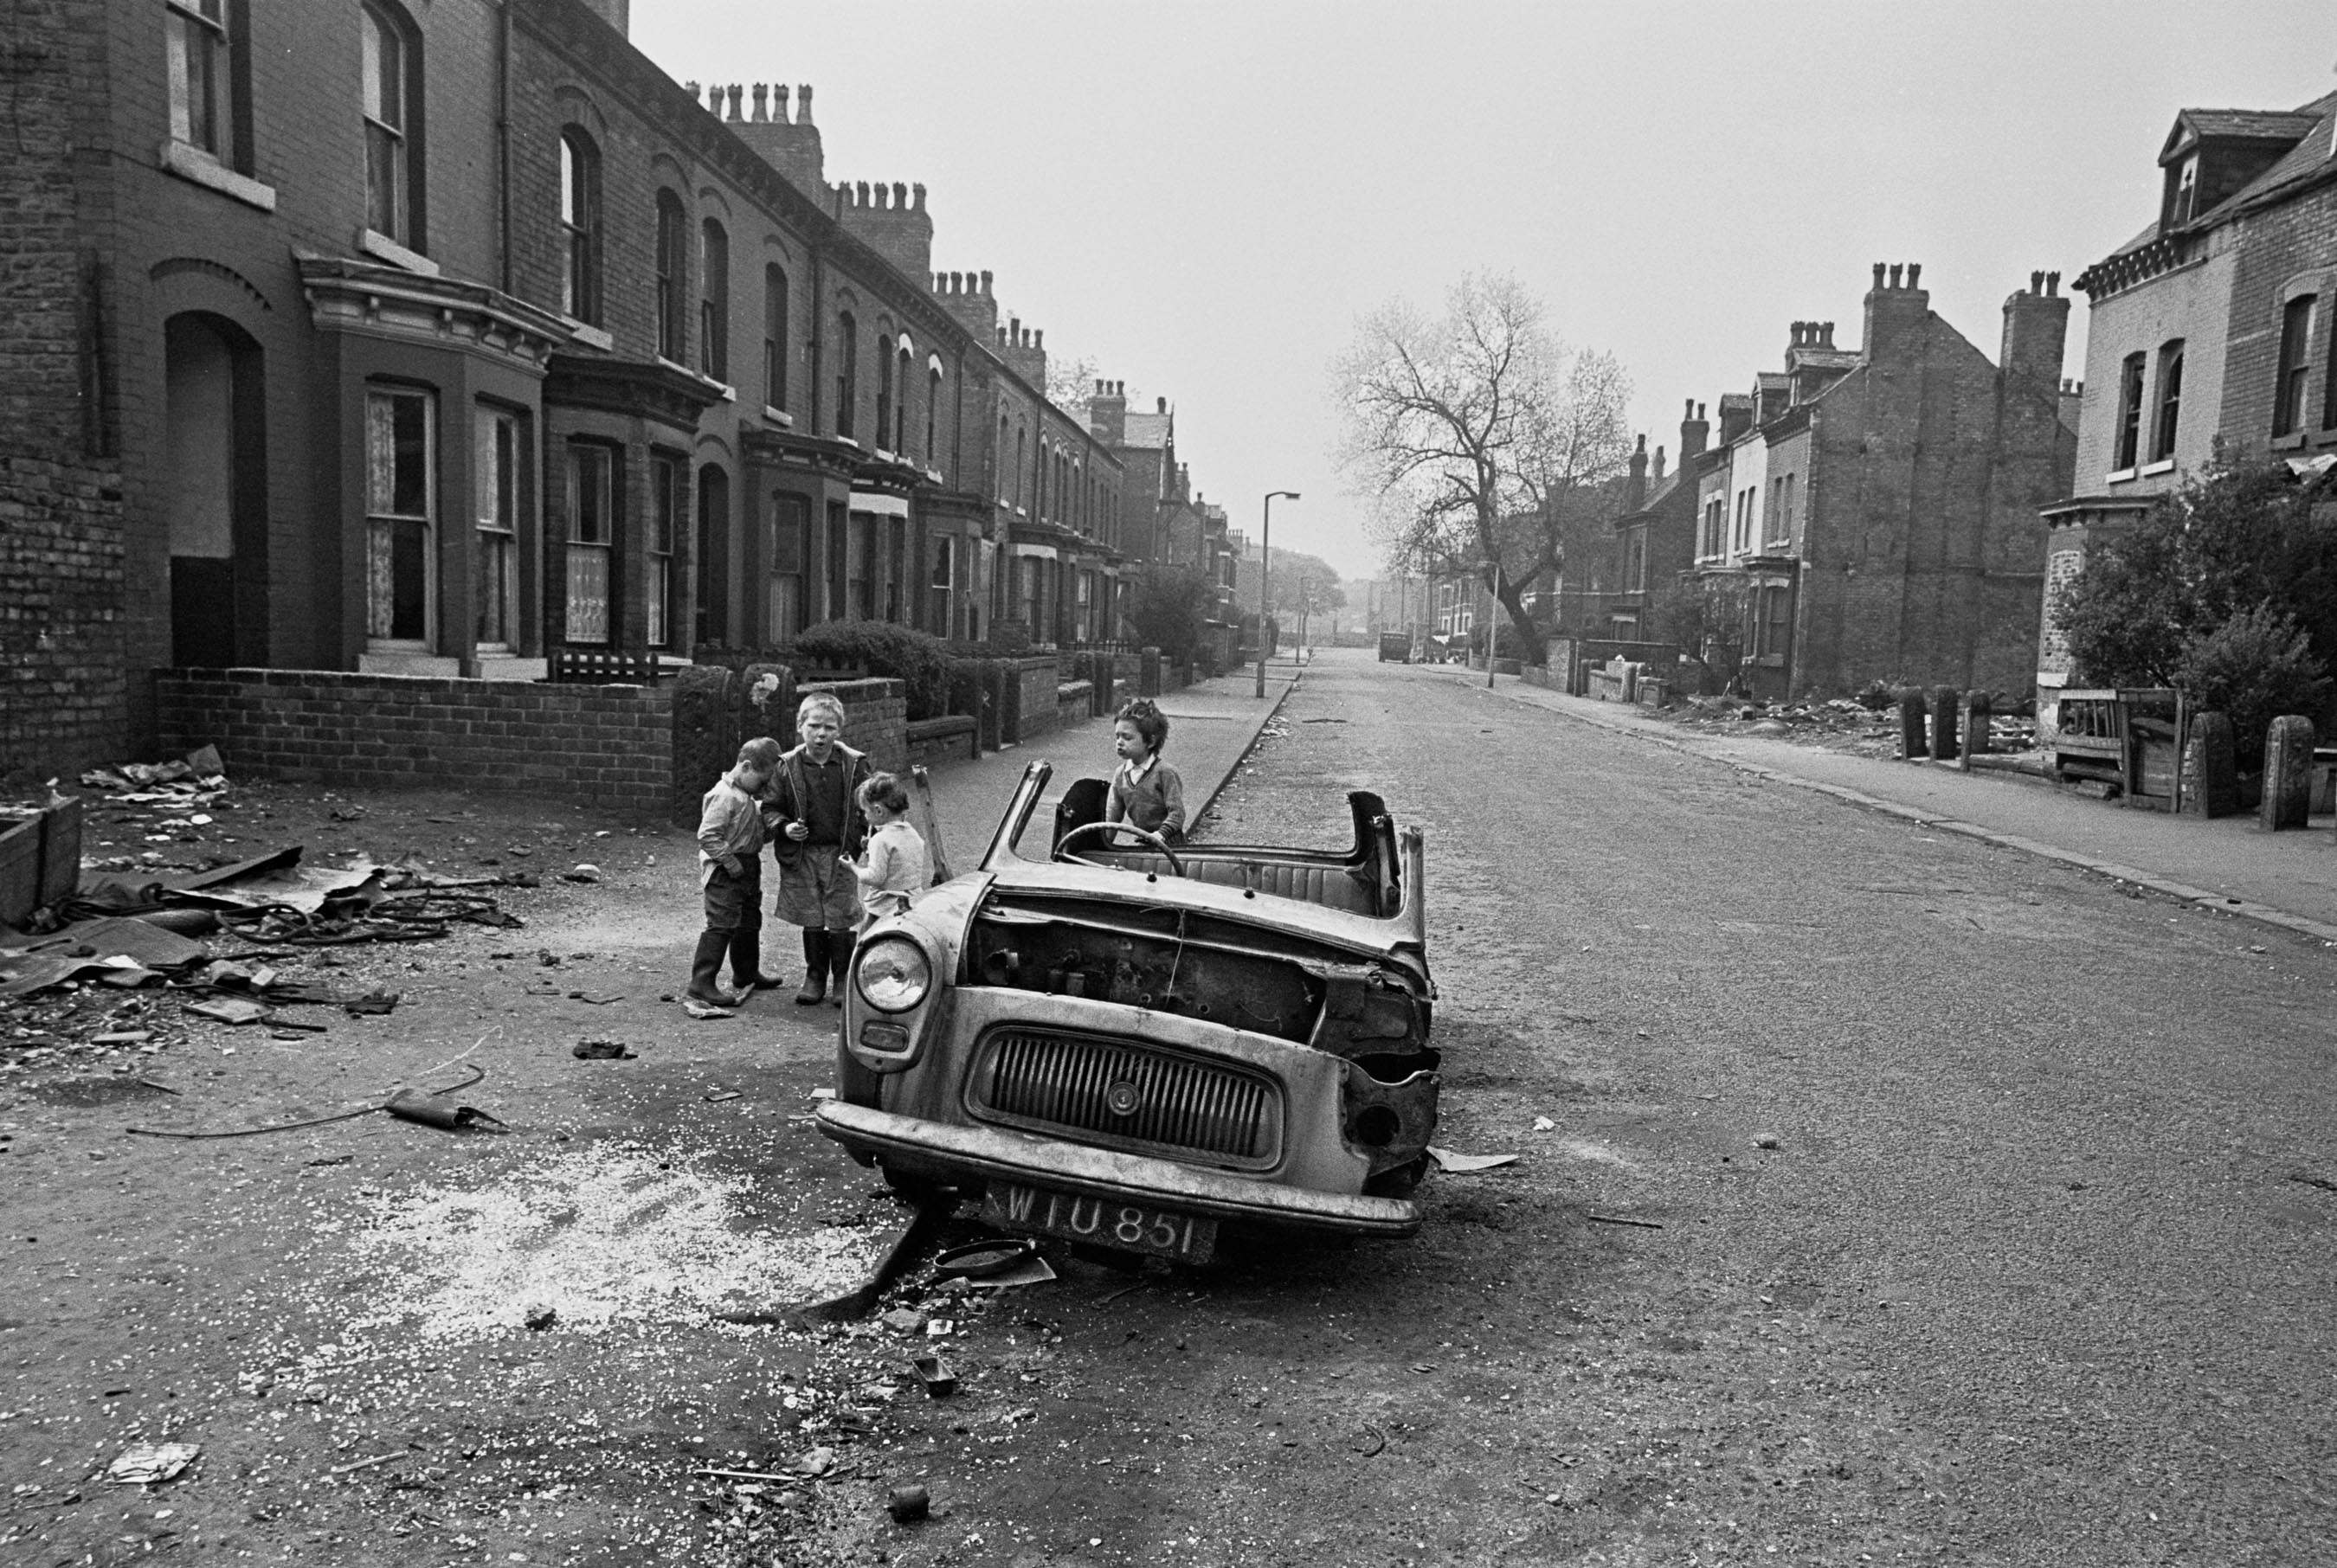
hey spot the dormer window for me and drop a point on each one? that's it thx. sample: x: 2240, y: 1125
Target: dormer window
x: 2183, y: 191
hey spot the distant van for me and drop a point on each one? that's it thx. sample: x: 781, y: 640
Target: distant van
x: 1396, y: 646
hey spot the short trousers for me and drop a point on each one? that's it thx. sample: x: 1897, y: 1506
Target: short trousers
x: 817, y: 890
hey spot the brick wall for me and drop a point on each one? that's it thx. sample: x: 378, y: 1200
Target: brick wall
x: 1034, y: 683
x: 61, y: 535
x: 2282, y: 251
x: 610, y: 745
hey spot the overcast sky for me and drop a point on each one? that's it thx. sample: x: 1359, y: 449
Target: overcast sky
x: 1203, y: 197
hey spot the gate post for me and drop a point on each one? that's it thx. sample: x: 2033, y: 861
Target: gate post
x: 2211, y: 780
x: 705, y: 736
x: 1943, y: 724
x: 1912, y: 746
x: 1978, y: 706
x: 2287, y: 774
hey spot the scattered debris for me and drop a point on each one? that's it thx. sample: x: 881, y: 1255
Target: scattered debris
x: 351, y: 1469
x: 151, y: 1464
x: 540, y: 1318
x: 698, y: 1009
x: 1764, y: 1141
x: 1463, y: 1165
x: 982, y: 1260
x: 582, y: 871
x: 598, y: 1002
x: 228, y: 1011
x: 603, y: 1051
x: 1370, y: 1442
x: 722, y: 1096
x: 1544, y: 1125
x: 934, y: 1373
x: 1620, y: 1220
x: 408, y: 1105
x: 373, y: 1004
x: 2310, y: 1180
x: 907, y: 1504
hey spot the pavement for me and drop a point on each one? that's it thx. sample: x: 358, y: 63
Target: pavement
x: 2287, y: 880
x: 1212, y: 724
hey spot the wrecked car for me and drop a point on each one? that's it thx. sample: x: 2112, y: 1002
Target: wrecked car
x: 1132, y: 1043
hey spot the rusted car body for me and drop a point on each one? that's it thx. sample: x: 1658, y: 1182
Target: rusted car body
x: 1131, y: 1044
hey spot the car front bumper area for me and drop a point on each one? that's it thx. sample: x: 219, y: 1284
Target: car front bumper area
x: 1011, y: 1156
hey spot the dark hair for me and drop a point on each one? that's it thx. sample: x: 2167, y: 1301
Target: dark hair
x: 1149, y: 722
x: 882, y: 789
x: 761, y: 752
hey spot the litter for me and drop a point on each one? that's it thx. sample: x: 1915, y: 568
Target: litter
x: 539, y: 1318
x: 1619, y: 1220
x: 934, y: 1373
x: 817, y: 1462
x: 721, y: 1097
x: 603, y: 1051
x: 698, y: 1009
x: 582, y: 871
x: 149, y: 1463
x: 407, y: 1104
x: 907, y: 1504
x: 982, y: 1260
x: 122, y: 1038
x: 228, y: 1011
x: 1544, y: 1125
x: 1462, y: 1164
x: 588, y: 996
x: 373, y: 1004
x: 1031, y: 1271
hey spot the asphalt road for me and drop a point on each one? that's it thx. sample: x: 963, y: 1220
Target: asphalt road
x: 2029, y: 1277
x: 2037, y: 1272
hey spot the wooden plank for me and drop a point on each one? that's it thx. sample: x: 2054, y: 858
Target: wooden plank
x: 922, y: 818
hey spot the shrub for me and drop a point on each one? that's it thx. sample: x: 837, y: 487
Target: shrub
x: 2255, y: 667
x: 1167, y: 605
x: 918, y: 659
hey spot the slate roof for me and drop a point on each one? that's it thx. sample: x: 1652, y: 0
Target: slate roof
x: 2310, y: 155
x: 2247, y: 124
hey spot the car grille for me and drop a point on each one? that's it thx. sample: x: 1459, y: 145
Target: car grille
x: 1122, y: 1095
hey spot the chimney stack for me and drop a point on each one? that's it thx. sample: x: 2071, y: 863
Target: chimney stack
x: 1634, y: 488
x: 1694, y: 432
x: 2035, y: 334
x: 1895, y: 313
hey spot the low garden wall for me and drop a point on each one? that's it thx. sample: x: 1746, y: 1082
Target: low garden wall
x: 603, y: 744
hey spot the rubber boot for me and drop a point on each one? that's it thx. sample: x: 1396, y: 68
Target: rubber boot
x: 705, y: 967
x: 747, y: 956
x: 839, y: 959
x: 815, y: 986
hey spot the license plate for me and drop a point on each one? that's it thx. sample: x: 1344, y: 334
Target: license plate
x: 1104, y: 1222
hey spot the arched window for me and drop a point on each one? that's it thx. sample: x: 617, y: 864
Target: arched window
x: 1021, y: 461
x: 2169, y: 415
x: 998, y: 458
x: 848, y: 372
x: 390, y: 96
x: 672, y: 267
x: 932, y: 405
x: 579, y: 219
x: 2296, y: 345
x: 883, y: 389
x: 775, y: 337
x: 901, y: 414
x: 714, y: 301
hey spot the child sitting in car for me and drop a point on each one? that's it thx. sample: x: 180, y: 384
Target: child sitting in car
x: 1146, y: 792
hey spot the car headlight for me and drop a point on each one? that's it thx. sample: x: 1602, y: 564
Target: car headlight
x: 893, y: 974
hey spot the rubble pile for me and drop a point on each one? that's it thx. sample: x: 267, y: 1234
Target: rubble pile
x: 1849, y: 724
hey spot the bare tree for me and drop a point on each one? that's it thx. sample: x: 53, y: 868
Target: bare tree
x: 1070, y: 383
x: 1477, y: 435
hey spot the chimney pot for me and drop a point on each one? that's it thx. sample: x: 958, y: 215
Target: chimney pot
x: 1825, y: 333
x: 778, y: 103
x: 1915, y: 274
x: 692, y: 89
x: 1878, y: 275
x: 1691, y: 409
x: 1161, y: 405
x: 803, y: 104
x: 762, y: 103
x: 2053, y: 283
x: 919, y: 192
x: 901, y: 196
x: 2037, y: 283
x: 985, y: 283
x: 1038, y: 337
x: 1896, y: 270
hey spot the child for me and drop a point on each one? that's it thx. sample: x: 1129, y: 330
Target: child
x: 897, y: 864
x: 730, y: 872
x: 1146, y: 792
x: 814, y: 815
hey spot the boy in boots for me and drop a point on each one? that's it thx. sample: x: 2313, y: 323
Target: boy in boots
x: 814, y: 811
x: 730, y: 872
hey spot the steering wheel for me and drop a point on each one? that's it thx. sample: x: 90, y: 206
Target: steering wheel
x: 1063, y: 847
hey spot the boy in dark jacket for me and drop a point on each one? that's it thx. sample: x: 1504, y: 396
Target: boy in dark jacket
x: 817, y: 828
x: 729, y: 870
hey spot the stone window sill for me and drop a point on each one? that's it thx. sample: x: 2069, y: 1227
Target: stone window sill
x: 2294, y: 442
x: 199, y: 167
x: 2150, y: 469
x: 588, y: 335
x: 779, y: 416
x: 382, y: 248
x: 2117, y: 476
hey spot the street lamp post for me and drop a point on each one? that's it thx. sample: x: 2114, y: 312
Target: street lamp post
x: 1266, y: 575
